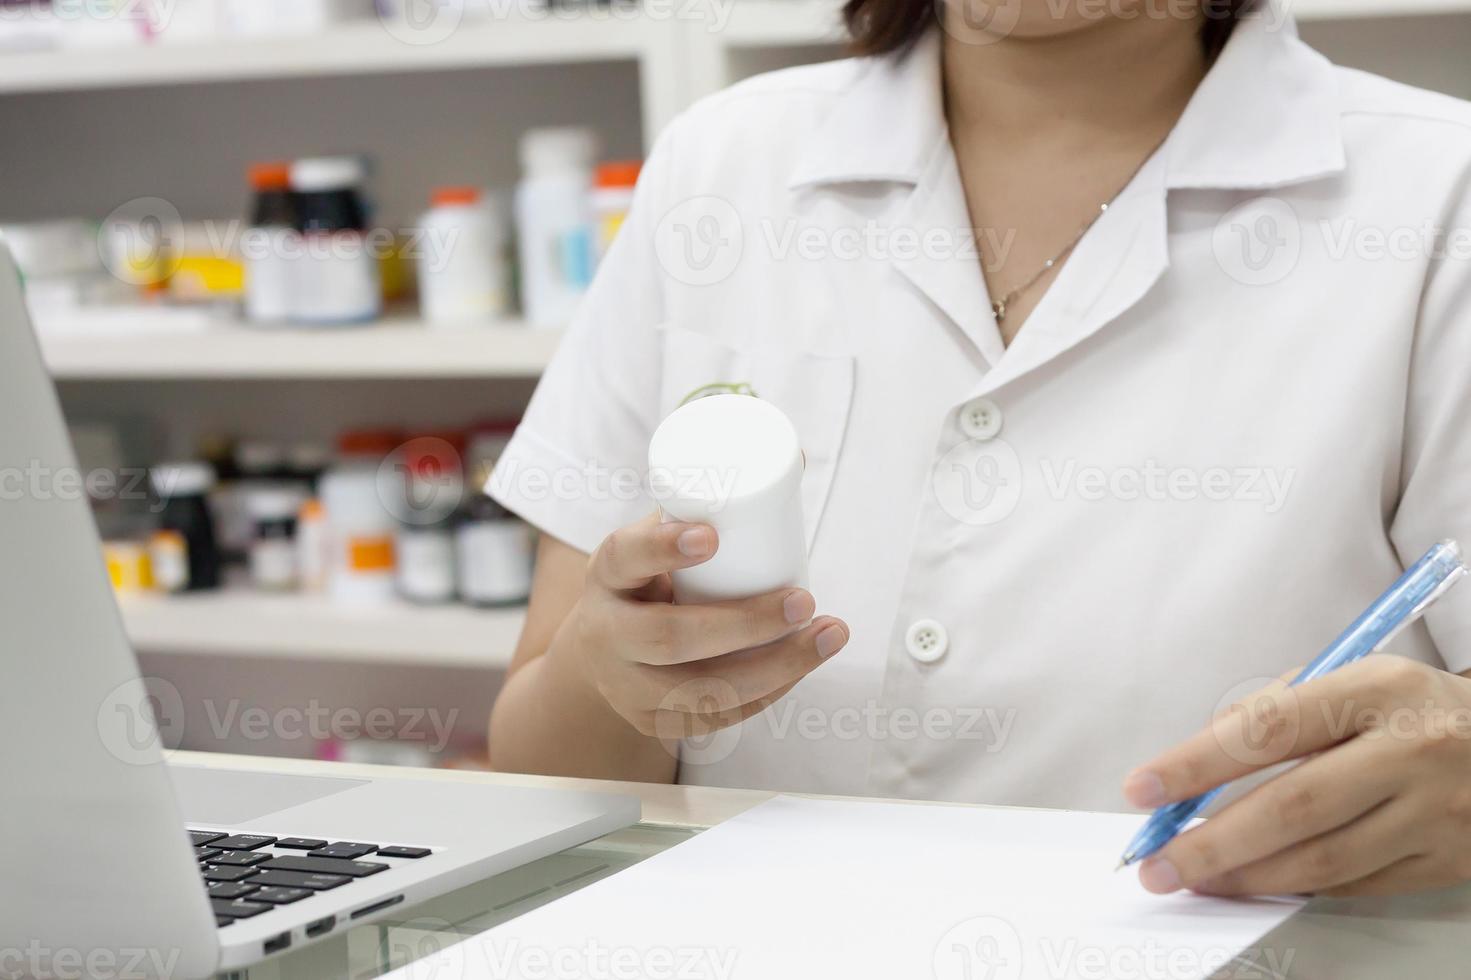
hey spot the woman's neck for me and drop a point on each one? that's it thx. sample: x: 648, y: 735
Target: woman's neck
x: 1117, y: 78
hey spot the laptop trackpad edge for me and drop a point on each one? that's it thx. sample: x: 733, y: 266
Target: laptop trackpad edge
x: 231, y: 797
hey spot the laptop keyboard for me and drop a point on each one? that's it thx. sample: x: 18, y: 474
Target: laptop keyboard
x: 248, y: 875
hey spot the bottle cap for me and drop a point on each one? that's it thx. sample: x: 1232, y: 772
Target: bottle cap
x: 723, y: 456
x: 315, y: 174
x: 272, y: 176
x: 367, y: 443
x: 434, y: 457
x: 617, y: 174
x: 450, y: 197
x: 558, y: 150
x: 181, y: 479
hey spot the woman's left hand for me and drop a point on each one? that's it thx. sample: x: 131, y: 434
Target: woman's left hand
x: 1380, y: 805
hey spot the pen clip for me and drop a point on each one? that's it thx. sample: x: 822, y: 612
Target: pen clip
x: 1451, y: 578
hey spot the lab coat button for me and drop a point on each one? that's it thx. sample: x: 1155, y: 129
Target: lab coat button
x: 926, y: 641
x: 980, y: 419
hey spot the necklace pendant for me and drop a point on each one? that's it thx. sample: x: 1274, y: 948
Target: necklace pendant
x: 999, y: 308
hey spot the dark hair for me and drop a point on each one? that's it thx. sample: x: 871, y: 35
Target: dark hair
x: 885, y: 26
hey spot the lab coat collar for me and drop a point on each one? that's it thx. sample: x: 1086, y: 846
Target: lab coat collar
x: 1266, y: 115
x: 885, y: 127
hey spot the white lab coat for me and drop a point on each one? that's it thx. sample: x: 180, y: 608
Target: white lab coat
x: 1239, y: 411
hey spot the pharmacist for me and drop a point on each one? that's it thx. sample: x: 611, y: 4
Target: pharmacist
x: 1190, y: 395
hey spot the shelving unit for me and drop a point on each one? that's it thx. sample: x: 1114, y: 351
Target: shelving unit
x: 1352, y: 9
x: 354, y: 49
x: 402, y: 347
x: 248, y: 624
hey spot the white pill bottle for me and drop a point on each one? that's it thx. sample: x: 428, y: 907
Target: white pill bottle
x: 733, y: 462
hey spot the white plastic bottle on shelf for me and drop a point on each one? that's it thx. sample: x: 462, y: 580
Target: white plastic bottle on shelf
x: 462, y: 258
x: 273, y: 511
x: 555, y: 229
x: 733, y: 462
x: 335, y: 274
x: 433, y: 486
x: 360, y: 532
x: 313, y: 547
x: 493, y: 550
x: 612, y: 197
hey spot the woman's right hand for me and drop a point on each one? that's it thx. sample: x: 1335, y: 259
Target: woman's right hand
x: 684, y: 671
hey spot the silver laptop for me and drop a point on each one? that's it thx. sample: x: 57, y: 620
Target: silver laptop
x: 115, y: 864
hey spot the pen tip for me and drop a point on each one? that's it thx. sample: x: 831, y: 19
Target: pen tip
x: 1123, y: 863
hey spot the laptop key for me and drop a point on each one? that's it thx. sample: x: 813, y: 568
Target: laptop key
x: 239, y: 908
x: 343, y: 849
x: 404, y: 852
x: 223, y: 920
x: 240, y: 859
x: 326, y: 866
x: 281, y: 896
x: 213, y: 873
x: 197, y: 837
x: 243, y: 842
x: 230, y: 889
x: 205, y: 853
x: 296, y: 879
x: 301, y: 843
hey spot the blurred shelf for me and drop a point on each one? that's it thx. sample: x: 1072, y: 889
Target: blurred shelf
x: 783, y: 23
x: 247, y: 624
x: 351, y: 49
x: 1353, y: 9
x: 176, y: 348
x: 793, y: 23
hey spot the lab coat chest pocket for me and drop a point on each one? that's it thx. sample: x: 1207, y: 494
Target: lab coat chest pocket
x: 815, y: 391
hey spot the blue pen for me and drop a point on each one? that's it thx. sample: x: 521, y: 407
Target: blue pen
x: 1425, y: 581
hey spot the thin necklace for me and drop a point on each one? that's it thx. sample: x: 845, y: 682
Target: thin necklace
x: 999, y: 306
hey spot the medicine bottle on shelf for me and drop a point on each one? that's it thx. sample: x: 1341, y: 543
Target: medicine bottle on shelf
x: 268, y: 244
x: 359, y: 520
x: 612, y: 196
x: 434, y: 478
x: 183, y: 552
x: 334, y: 274
x: 360, y: 533
x: 494, y: 550
x: 273, y: 513
x: 462, y: 258
x: 554, y: 223
x: 313, y: 551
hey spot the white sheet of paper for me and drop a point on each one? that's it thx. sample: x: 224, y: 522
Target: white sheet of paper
x: 800, y: 889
